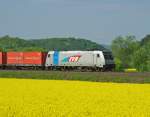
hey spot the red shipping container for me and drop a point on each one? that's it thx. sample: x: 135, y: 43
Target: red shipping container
x: 34, y: 58
x: 2, y: 58
x: 14, y: 58
x: 26, y: 58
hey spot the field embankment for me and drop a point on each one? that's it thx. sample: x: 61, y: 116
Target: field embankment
x: 82, y: 76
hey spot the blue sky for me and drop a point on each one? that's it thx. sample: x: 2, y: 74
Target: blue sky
x: 98, y: 20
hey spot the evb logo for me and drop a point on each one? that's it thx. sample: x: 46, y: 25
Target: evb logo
x: 72, y: 58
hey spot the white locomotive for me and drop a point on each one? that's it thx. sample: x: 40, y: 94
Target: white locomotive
x: 85, y: 60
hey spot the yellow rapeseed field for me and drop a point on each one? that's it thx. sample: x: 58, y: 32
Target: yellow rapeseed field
x: 50, y: 98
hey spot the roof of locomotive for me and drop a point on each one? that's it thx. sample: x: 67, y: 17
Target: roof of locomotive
x: 75, y: 52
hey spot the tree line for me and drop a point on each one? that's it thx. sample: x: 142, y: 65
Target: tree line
x: 8, y: 43
x: 130, y: 53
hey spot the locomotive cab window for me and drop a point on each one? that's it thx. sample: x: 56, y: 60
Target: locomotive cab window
x: 49, y: 55
x: 98, y: 55
x: 108, y: 55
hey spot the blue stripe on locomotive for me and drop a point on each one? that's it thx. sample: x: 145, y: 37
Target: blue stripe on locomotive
x: 56, y: 58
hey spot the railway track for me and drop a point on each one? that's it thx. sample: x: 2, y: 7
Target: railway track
x: 105, y: 74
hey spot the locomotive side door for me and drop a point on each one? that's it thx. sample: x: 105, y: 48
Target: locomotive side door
x: 99, y: 59
x: 49, y: 59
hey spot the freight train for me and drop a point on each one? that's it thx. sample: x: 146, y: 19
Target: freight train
x: 58, y: 60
